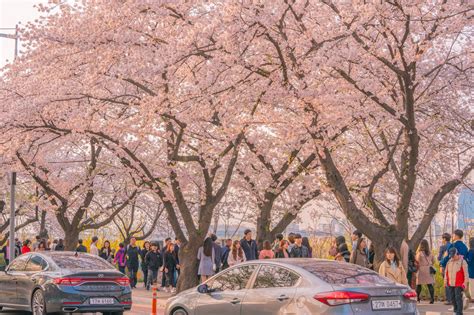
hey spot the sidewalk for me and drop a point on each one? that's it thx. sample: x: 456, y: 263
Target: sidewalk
x: 440, y: 309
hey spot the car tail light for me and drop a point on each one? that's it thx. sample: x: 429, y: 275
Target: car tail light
x: 410, y: 295
x: 123, y: 281
x: 77, y: 281
x: 68, y: 281
x: 341, y: 297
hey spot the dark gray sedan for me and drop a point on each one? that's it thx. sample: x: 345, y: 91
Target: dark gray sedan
x: 296, y: 287
x: 67, y: 282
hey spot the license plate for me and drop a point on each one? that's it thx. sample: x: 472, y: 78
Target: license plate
x: 386, y: 305
x: 101, y: 301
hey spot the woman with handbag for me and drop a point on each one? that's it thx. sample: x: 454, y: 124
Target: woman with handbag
x: 425, y: 275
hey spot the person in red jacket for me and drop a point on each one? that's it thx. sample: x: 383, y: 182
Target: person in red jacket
x: 456, y: 279
x: 26, y: 247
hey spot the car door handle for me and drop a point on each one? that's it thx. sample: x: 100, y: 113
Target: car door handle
x: 235, y: 301
x: 282, y: 298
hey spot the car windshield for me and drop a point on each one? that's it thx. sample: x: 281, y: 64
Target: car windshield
x: 82, y: 262
x: 341, y: 273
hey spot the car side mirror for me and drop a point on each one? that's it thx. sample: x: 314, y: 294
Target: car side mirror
x: 203, y: 288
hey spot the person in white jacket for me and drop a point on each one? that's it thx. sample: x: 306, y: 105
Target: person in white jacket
x: 236, y: 254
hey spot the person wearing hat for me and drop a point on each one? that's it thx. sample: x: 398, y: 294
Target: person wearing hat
x: 456, y: 279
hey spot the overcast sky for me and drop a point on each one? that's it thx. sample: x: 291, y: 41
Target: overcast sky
x: 11, y: 13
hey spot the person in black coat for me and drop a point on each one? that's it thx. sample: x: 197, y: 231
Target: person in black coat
x: 133, y: 261
x: 81, y: 248
x: 249, y: 246
x: 143, y: 252
x: 153, y: 261
x: 60, y: 245
x: 171, y: 262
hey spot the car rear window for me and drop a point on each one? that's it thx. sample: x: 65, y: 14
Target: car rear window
x: 82, y: 262
x: 342, y: 273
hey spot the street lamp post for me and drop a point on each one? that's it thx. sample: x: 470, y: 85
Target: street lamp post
x: 11, y: 36
x: 12, y: 182
x: 12, y: 179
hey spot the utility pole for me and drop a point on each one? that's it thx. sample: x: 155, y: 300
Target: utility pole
x: 12, y: 182
x: 12, y: 179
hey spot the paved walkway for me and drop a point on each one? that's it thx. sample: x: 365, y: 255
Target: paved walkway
x: 142, y: 305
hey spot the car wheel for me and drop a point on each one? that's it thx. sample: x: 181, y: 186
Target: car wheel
x: 179, y: 311
x: 38, y: 305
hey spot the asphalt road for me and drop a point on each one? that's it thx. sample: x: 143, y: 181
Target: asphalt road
x: 142, y: 305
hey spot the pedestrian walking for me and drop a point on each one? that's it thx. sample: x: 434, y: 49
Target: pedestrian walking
x: 106, y: 252
x: 308, y: 246
x: 42, y: 246
x: 425, y: 275
x: 59, y: 246
x: 163, y: 273
x: 283, y: 250
x: 249, y: 246
x: 6, y: 252
x: 276, y: 242
x: 236, y: 254
x: 456, y: 279
x: 26, y: 247
x: 458, y: 244
x: 299, y: 250
x: 170, y: 265
x: 355, y: 237
x: 470, y: 265
x: 55, y: 243
x: 36, y: 243
x: 266, y: 252
x: 371, y: 256
x: 81, y: 248
x: 133, y: 261
x: 206, y: 257
x: 120, y: 258
x: 217, y: 253
x: 342, y: 251
x: 154, y: 262
x: 359, y: 253
x: 392, y: 267
x: 291, y: 241
x: 144, y: 266
x: 443, y: 252
x: 225, y: 253
x: 94, y: 250
x: 177, y: 247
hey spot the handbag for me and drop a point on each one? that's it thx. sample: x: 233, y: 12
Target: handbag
x: 432, y: 269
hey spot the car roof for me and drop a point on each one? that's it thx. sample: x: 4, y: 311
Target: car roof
x: 303, y: 262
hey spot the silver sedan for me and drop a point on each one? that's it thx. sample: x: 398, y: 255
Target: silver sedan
x: 296, y: 287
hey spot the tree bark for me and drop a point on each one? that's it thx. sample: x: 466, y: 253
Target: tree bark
x: 71, y: 240
x: 189, y: 263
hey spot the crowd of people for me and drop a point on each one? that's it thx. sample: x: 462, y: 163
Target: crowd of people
x: 417, y: 269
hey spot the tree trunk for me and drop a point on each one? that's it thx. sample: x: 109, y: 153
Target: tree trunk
x: 189, y: 264
x: 43, y: 231
x: 263, y: 224
x: 391, y: 238
x: 71, y: 240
